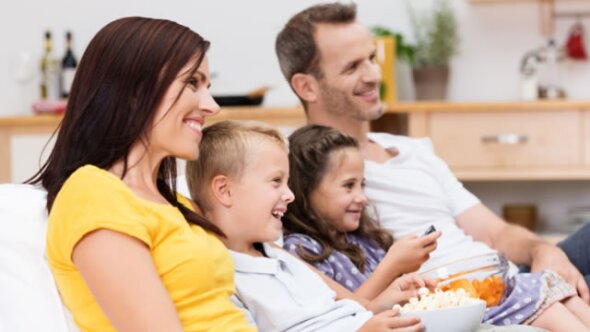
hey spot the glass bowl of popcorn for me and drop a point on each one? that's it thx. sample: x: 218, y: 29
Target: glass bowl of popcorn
x: 445, y: 311
x: 481, y: 277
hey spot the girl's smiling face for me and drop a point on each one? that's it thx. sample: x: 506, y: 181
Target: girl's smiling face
x: 339, y: 198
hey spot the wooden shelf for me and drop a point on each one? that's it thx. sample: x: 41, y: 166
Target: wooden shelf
x: 547, y: 12
x: 412, y: 118
x: 499, y: 1
x: 296, y: 114
x: 552, y: 105
x: 47, y: 124
x: 563, y: 174
x: 271, y: 114
x: 516, y: 1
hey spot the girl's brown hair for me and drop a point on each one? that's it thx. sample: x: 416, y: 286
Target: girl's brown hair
x: 309, y: 160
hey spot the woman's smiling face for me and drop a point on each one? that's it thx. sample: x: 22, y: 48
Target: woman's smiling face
x: 177, y: 126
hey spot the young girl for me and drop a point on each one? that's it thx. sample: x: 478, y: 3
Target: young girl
x: 240, y: 182
x: 326, y: 227
x: 127, y: 253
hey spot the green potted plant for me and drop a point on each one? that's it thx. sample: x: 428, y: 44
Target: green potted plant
x: 437, y: 41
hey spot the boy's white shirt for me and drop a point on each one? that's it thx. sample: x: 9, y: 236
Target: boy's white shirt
x: 280, y: 293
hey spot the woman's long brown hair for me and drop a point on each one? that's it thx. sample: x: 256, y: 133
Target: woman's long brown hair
x: 310, y: 149
x: 119, y: 84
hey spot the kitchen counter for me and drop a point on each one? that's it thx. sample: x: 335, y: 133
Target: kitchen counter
x: 552, y: 105
x: 289, y: 117
x: 480, y: 141
x: 271, y: 115
x: 295, y: 114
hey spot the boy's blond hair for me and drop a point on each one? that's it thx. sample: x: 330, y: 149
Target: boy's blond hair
x: 224, y: 151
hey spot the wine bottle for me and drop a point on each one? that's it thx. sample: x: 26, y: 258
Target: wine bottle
x: 49, y: 85
x: 68, y: 67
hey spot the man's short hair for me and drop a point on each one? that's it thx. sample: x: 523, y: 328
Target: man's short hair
x: 295, y: 44
x: 224, y: 150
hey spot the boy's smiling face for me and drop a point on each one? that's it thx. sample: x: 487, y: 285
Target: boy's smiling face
x: 261, y: 195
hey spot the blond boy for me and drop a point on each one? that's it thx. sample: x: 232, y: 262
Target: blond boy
x: 240, y: 182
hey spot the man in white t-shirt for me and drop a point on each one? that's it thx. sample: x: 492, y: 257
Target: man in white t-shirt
x: 328, y: 58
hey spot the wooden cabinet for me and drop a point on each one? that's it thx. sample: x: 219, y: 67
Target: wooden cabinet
x: 510, y: 141
x: 547, y: 12
x: 480, y: 141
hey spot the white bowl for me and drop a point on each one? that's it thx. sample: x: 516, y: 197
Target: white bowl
x: 466, y: 318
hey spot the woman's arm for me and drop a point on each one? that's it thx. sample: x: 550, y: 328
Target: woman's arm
x: 121, y: 275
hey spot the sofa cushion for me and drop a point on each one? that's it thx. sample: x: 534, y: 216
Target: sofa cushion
x: 29, y: 300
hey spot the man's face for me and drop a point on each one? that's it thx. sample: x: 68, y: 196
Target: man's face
x: 349, y: 86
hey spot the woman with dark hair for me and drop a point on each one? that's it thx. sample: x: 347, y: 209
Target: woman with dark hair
x: 127, y: 252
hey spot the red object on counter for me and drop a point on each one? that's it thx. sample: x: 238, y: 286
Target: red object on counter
x: 575, y: 46
x: 49, y: 106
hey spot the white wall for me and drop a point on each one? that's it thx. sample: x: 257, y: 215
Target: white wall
x: 493, y: 39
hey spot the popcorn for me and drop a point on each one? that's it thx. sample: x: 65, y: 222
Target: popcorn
x: 437, y: 300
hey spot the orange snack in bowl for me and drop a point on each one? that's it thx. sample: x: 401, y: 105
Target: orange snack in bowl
x: 489, y: 289
x: 466, y: 285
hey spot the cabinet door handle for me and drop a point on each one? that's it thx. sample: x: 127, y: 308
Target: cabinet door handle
x: 506, y: 139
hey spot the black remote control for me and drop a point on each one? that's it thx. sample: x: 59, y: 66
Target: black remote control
x: 430, y: 229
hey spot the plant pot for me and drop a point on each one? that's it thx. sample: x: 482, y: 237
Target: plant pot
x: 431, y: 82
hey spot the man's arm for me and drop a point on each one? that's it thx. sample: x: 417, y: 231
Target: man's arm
x: 519, y: 245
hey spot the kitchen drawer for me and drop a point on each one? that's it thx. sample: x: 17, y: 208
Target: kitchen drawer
x: 509, y: 139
